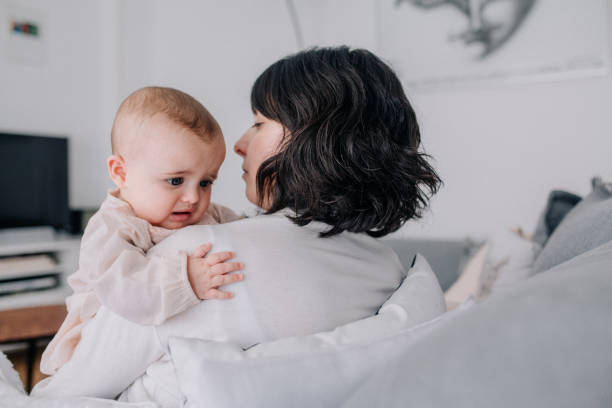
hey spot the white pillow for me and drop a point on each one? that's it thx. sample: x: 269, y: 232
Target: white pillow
x: 315, y: 370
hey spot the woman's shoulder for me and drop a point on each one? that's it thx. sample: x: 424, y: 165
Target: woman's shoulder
x: 277, y: 233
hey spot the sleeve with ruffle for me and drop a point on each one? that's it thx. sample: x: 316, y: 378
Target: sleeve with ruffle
x: 144, y: 290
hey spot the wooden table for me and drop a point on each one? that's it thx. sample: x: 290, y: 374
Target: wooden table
x: 30, y: 325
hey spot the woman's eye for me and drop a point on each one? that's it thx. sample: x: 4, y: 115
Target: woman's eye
x: 257, y: 124
x: 205, y: 183
x: 175, y: 181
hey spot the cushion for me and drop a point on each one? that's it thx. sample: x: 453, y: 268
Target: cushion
x: 227, y: 376
x: 545, y: 342
x: 204, y: 367
x: 586, y: 226
x: 558, y: 205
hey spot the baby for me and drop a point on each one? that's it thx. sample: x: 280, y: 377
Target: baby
x: 167, y: 150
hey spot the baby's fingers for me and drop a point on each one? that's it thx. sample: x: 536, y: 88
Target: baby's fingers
x: 218, y: 257
x: 226, y: 267
x: 217, y: 294
x: 202, y: 250
x: 220, y: 280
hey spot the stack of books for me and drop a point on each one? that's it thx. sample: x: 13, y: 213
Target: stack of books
x: 27, y: 273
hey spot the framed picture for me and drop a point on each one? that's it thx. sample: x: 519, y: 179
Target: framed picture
x: 23, y: 37
x: 441, y: 43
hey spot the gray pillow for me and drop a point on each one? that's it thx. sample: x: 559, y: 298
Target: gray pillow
x: 545, y: 342
x: 586, y: 226
x: 558, y: 205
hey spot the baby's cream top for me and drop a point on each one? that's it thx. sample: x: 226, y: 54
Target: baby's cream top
x: 114, y: 271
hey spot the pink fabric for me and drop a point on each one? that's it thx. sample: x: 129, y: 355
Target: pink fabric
x: 115, y: 272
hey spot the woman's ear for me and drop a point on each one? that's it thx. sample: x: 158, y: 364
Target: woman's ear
x: 117, y: 170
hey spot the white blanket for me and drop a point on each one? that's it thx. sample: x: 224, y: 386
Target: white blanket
x: 12, y: 395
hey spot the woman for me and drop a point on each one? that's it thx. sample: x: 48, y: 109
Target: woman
x: 332, y: 158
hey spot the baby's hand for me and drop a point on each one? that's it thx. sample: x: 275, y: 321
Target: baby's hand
x: 206, y: 275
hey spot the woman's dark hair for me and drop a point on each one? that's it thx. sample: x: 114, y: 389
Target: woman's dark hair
x: 350, y: 157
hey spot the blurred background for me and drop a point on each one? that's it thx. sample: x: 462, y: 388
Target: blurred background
x: 504, y: 131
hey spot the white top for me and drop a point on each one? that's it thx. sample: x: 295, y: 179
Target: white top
x: 295, y: 283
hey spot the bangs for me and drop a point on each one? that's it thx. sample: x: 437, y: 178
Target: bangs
x: 265, y: 92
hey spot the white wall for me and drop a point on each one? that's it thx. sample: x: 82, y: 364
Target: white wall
x: 212, y: 50
x: 63, y: 94
x: 499, y: 148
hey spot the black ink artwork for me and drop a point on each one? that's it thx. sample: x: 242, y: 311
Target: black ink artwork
x: 491, y: 22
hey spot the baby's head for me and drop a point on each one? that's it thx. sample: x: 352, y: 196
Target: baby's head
x: 167, y: 150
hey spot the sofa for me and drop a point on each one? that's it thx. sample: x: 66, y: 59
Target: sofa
x: 540, y: 324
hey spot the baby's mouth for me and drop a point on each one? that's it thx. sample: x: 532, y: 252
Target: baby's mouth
x: 180, y: 215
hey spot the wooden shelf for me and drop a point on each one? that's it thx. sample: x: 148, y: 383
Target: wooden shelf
x: 30, y: 323
x: 35, y: 240
x: 33, y: 243
x: 32, y: 317
x: 48, y: 297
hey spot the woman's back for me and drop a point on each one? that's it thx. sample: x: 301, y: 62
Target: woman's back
x: 295, y: 283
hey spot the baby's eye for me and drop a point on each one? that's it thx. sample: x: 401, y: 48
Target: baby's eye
x: 205, y: 183
x: 175, y: 181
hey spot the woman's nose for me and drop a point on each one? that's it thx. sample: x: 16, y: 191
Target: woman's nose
x: 241, y: 145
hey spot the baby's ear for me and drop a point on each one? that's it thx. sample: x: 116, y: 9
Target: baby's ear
x: 116, y: 169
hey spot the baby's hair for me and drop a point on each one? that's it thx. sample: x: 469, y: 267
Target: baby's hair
x: 350, y: 157
x: 177, y: 106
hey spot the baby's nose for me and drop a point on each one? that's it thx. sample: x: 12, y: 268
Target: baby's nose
x: 191, y: 197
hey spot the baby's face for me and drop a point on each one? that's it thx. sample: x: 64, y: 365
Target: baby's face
x: 169, y: 173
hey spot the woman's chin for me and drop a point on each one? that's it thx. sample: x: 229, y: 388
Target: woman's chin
x: 252, y: 197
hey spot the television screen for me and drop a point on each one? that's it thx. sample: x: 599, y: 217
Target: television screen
x: 34, y: 180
